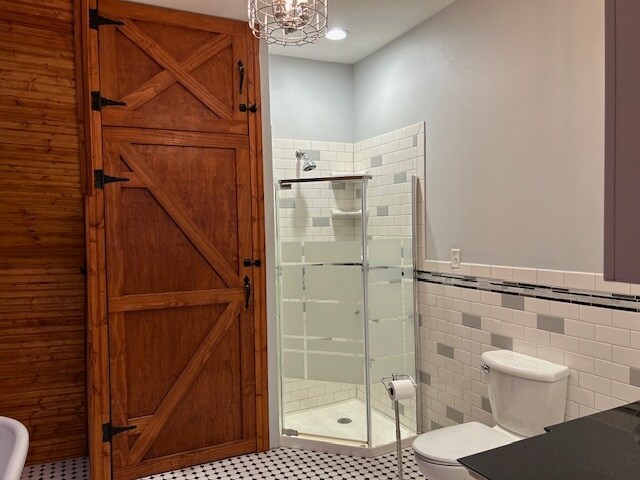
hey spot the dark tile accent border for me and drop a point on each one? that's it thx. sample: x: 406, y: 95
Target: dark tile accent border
x: 425, y: 378
x: 314, y: 155
x: 500, y: 341
x: 473, y: 321
x: 321, y: 221
x: 512, y: 301
x: 287, y: 203
x: 400, y: 177
x: 455, y: 415
x: 445, y: 350
x: 435, y: 426
x: 630, y: 303
x: 550, y: 324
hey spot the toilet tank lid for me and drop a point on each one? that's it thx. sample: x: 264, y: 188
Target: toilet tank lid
x: 524, y: 366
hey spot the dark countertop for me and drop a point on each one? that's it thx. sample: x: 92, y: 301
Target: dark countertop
x: 602, y: 446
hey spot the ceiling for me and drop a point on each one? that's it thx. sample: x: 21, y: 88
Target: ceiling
x: 371, y: 23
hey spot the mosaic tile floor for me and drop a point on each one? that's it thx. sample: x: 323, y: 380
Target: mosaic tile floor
x: 283, y: 463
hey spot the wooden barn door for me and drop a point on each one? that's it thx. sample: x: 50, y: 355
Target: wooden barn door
x: 179, y: 233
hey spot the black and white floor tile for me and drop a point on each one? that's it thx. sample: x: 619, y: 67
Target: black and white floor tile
x: 74, y: 469
x: 283, y: 463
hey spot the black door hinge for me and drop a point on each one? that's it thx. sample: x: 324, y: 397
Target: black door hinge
x: 98, y: 101
x: 252, y: 263
x: 100, y: 179
x: 95, y: 20
x: 251, y: 108
x: 109, y: 431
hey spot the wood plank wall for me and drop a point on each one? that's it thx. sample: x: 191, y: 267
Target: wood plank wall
x: 42, y: 252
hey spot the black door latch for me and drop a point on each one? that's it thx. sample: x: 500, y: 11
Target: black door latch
x: 250, y: 108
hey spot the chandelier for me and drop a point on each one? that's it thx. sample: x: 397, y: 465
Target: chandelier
x: 288, y: 22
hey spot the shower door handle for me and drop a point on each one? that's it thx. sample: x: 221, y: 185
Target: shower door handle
x: 247, y: 291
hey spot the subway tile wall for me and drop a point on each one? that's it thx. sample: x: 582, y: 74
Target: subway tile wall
x: 303, y: 394
x: 305, y: 211
x: 392, y: 159
x: 600, y: 344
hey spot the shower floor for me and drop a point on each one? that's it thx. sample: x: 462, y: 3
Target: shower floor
x: 323, y: 421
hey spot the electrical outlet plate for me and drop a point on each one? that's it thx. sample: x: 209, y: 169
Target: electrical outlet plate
x: 456, y: 255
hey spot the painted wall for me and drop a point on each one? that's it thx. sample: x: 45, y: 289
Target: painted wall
x: 513, y: 97
x: 311, y: 99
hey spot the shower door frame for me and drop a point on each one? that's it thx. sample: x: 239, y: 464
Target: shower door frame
x: 362, y: 180
x: 349, y: 446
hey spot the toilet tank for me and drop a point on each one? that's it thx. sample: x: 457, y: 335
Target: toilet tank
x: 526, y: 393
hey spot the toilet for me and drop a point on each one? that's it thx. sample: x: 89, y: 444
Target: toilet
x: 526, y: 395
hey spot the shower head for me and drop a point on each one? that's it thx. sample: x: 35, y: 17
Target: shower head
x: 308, y: 163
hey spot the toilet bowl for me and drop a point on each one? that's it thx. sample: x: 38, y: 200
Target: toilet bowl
x: 526, y: 394
x: 438, y: 451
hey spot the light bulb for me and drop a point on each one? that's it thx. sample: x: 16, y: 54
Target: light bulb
x: 291, y: 15
x: 337, y: 34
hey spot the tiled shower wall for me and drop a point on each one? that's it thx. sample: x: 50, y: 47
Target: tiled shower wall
x: 305, y: 211
x: 578, y: 320
x: 392, y: 159
x: 307, y: 214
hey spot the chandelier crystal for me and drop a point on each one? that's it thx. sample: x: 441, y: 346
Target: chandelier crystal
x: 288, y: 22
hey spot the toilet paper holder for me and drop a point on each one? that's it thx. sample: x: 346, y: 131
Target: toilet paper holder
x: 386, y: 381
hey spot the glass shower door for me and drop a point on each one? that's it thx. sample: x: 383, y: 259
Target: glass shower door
x: 391, y: 332
x: 321, y: 326
x: 392, y: 326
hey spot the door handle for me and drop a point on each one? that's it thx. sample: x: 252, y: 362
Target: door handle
x: 247, y: 291
x: 241, y: 73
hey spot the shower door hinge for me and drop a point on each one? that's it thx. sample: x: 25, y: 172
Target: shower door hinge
x: 290, y: 432
x: 247, y: 262
x: 248, y: 108
x: 109, y: 431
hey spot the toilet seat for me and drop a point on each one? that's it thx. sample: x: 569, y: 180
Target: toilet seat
x: 444, y: 446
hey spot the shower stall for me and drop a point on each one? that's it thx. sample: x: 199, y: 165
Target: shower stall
x: 346, y: 313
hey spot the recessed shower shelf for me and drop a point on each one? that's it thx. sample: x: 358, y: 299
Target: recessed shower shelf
x: 335, y: 213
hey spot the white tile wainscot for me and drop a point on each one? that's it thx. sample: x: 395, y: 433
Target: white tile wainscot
x: 600, y: 344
